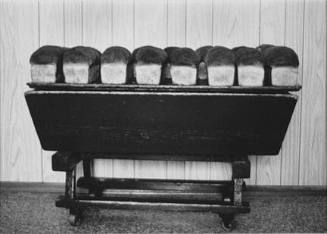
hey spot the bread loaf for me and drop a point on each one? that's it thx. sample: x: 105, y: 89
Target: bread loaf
x: 203, y: 69
x: 46, y: 64
x: 221, y: 66
x: 250, y: 66
x: 148, y: 62
x: 81, y: 65
x: 114, y: 62
x: 281, y: 64
x: 166, y: 69
x: 170, y: 49
x: 203, y: 51
x: 263, y: 47
x: 184, y: 63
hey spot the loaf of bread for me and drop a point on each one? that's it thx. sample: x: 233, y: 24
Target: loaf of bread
x: 81, y: 65
x: 263, y: 47
x: 221, y: 66
x: 114, y: 62
x: 166, y: 79
x: 184, y: 63
x: 203, y: 51
x: 281, y: 64
x: 170, y: 49
x: 46, y: 64
x: 203, y: 69
x: 250, y: 66
x: 148, y: 62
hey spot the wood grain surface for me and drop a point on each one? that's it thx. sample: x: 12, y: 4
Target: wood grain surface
x: 131, y: 23
x: 97, y: 24
x: 313, y: 158
x: 290, y: 151
x: 233, y: 20
x: 150, y: 22
x: 51, y: 31
x: 198, y: 23
x: 166, y: 123
x: 272, y: 31
x: 73, y: 36
x: 198, y: 33
x: 123, y: 23
x: 97, y: 32
x: 20, y: 152
x: 123, y: 35
x: 176, y: 30
x: 73, y: 23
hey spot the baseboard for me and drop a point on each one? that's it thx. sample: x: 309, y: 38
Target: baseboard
x: 35, y: 187
x: 251, y: 190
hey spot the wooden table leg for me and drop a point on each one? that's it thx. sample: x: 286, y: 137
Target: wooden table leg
x: 238, y: 183
x: 70, y: 188
x: 87, y: 170
x: 75, y: 212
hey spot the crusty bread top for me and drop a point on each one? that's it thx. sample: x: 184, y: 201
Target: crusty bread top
x: 116, y: 54
x: 47, y: 54
x: 263, y: 47
x: 169, y: 50
x: 203, y: 51
x: 149, y: 54
x: 184, y: 56
x: 82, y: 54
x: 280, y: 56
x: 220, y: 55
x: 247, y: 56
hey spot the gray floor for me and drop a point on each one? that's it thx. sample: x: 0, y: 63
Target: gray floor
x: 34, y: 212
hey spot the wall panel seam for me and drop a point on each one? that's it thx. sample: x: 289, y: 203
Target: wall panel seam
x: 39, y: 43
x: 82, y: 21
x: 185, y: 22
x: 302, y: 77
x: 302, y: 91
x: 64, y: 21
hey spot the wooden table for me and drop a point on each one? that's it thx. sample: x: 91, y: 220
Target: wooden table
x: 166, y: 122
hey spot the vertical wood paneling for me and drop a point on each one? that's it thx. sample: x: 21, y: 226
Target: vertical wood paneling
x: 290, y: 151
x: 3, y: 174
x: 198, y: 23
x: 198, y: 33
x: 176, y: 23
x: 191, y: 23
x: 150, y: 21
x: 20, y: 152
x: 176, y: 37
x: 73, y: 23
x: 253, y: 171
x: 73, y: 28
x: 150, y: 29
x: 123, y: 35
x: 235, y: 23
x: 123, y: 23
x: 51, y: 22
x: 97, y: 32
x: 313, y: 122
x: 272, y: 21
x: 272, y: 31
x: 97, y: 24
x: 51, y: 16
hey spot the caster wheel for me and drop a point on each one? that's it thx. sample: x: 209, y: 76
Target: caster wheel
x: 74, y: 220
x: 227, y: 222
x: 227, y: 226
